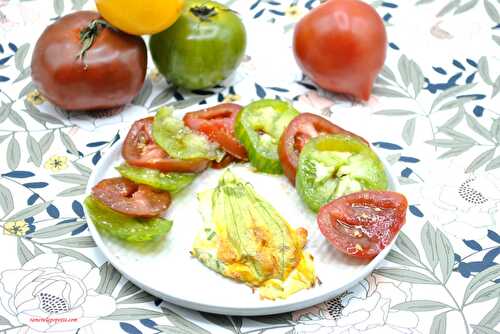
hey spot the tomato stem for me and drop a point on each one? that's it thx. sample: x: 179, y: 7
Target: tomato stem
x: 88, y: 36
x: 203, y: 12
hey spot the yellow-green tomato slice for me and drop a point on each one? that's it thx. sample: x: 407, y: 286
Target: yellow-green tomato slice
x: 179, y: 141
x: 331, y: 166
x: 171, y: 182
x: 259, y: 127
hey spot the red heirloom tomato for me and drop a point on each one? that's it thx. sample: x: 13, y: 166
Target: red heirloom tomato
x: 80, y: 63
x: 217, y: 123
x: 140, y: 150
x: 297, y: 134
x: 341, y: 45
x: 362, y: 224
x: 127, y: 197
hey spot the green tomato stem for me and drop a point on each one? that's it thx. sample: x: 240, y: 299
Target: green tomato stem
x: 88, y: 36
x: 203, y: 12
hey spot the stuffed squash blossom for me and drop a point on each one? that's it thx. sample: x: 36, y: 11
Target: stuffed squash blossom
x: 244, y: 238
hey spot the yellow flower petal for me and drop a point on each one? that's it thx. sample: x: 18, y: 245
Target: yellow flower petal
x: 293, y: 11
x: 18, y: 228
x: 154, y: 75
x: 231, y: 98
x: 35, y: 97
x: 56, y: 163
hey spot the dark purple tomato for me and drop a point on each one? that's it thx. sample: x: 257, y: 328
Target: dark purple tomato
x: 81, y: 63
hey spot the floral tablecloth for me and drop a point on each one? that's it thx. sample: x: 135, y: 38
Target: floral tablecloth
x: 434, y: 115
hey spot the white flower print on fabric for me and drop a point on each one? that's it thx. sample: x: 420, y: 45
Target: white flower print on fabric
x: 364, y: 309
x: 466, y: 205
x: 54, y: 287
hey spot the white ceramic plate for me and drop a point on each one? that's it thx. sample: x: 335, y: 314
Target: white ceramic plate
x: 169, y: 272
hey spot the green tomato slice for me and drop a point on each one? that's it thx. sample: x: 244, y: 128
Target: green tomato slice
x: 259, y: 127
x: 179, y: 141
x: 171, y: 182
x: 331, y: 166
x: 123, y: 227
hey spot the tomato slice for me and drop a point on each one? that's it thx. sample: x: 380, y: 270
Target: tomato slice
x: 179, y: 141
x: 217, y: 123
x: 140, y: 150
x: 171, y: 182
x: 362, y: 224
x: 226, y: 161
x: 131, y: 199
x: 331, y: 166
x: 118, y: 225
x: 259, y: 127
x: 297, y: 134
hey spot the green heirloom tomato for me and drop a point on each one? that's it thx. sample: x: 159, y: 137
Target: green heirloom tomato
x: 204, y: 46
x: 259, y: 127
x: 124, y: 227
x: 331, y: 166
x: 171, y: 182
x: 179, y: 141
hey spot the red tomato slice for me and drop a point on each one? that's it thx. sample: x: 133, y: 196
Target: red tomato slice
x: 140, y: 150
x: 297, y: 134
x: 132, y: 199
x: 226, y: 161
x: 217, y: 123
x: 362, y: 224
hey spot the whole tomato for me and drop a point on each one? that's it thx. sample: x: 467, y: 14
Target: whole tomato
x: 80, y: 63
x: 341, y: 45
x: 143, y: 17
x: 203, y: 47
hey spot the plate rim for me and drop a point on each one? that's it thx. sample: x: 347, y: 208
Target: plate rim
x: 284, y: 306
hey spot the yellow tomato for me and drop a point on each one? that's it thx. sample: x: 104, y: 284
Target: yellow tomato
x: 143, y: 17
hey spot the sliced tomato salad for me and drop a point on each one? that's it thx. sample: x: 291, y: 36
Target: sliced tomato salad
x: 297, y: 134
x: 217, y: 123
x: 362, y: 224
x: 140, y: 150
x: 131, y: 199
x: 334, y: 170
